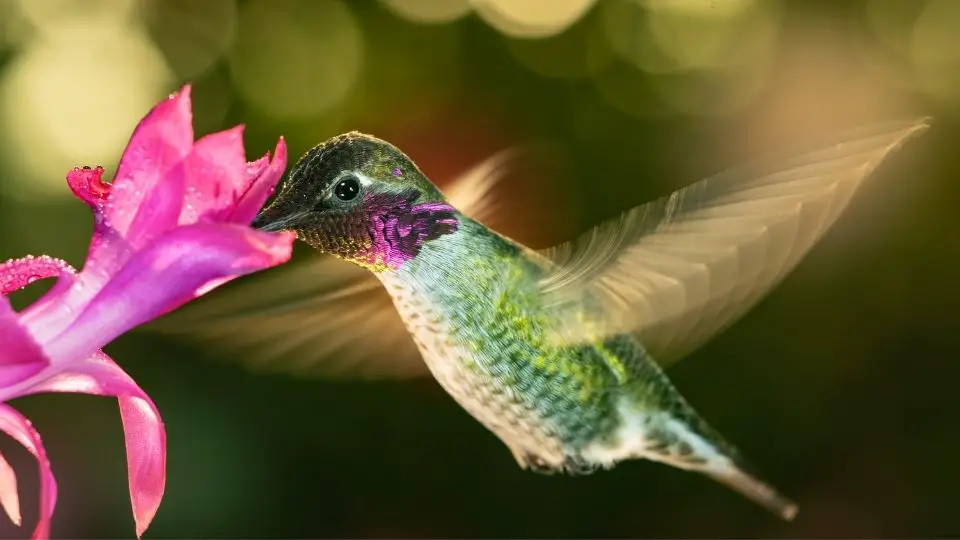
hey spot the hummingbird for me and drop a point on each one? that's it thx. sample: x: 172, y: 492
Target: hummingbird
x: 558, y: 352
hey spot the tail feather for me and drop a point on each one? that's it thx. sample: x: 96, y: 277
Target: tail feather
x: 702, y: 449
x: 756, y: 490
x: 672, y: 433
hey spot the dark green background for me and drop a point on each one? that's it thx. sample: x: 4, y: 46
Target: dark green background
x: 840, y: 386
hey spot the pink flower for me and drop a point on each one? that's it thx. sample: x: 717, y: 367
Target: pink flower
x: 172, y: 226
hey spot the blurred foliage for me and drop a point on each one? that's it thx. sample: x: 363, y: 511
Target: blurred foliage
x: 840, y: 386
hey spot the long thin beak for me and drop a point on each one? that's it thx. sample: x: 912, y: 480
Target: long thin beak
x: 274, y: 219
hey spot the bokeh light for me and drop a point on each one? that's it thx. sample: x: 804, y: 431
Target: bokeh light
x: 935, y: 50
x: 73, y: 91
x: 920, y: 46
x: 714, y: 38
x: 14, y: 26
x: 429, y: 11
x: 192, y: 35
x: 891, y: 22
x: 663, y: 36
x: 702, y: 58
x: 531, y: 18
x: 51, y: 16
x: 719, y: 9
x: 577, y: 53
x: 296, y: 58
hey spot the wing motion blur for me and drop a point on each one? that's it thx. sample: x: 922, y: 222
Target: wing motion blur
x: 322, y: 316
x: 675, y: 271
x: 473, y: 192
x: 678, y: 270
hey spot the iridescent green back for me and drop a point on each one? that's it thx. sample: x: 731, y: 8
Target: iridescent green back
x: 485, y: 288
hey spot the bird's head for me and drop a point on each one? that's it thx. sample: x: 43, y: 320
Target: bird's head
x: 361, y: 199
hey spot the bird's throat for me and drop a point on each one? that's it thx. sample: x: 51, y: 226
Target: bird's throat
x: 385, y: 233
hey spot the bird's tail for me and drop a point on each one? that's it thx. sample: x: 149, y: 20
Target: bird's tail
x: 692, y: 445
x: 754, y: 489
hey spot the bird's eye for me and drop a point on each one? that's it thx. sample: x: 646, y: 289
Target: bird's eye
x: 347, y: 188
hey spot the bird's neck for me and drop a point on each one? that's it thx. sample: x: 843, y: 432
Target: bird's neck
x: 457, y: 260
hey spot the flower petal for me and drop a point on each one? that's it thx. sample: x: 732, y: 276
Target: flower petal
x: 107, y: 254
x: 18, y: 427
x: 216, y: 174
x: 144, y: 201
x: 9, y: 497
x: 171, y: 271
x: 160, y: 209
x: 19, y: 272
x: 261, y: 186
x: 21, y: 356
x: 143, y: 431
x: 16, y: 274
x: 256, y: 168
x: 60, y: 306
x: 87, y: 184
x: 161, y: 140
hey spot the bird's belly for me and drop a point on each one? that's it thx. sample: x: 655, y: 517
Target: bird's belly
x: 453, y: 365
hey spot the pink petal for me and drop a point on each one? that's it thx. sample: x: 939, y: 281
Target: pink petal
x: 60, y: 306
x: 107, y: 253
x: 256, y: 168
x: 165, y: 275
x: 162, y: 140
x: 19, y: 272
x: 160, y: 209
x: 16, y: 274
x: 20, y: 357
x: 9, y: 497
x: 216, y: 173
x: 87, y: 184
x: 143, y: 202
x: 143, y: 431
x: 18, y: 427
x: 261, y: 186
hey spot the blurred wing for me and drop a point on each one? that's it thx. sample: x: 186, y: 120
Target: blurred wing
x: 473, y: 192
x: 681, y: 269
x: 323, y: 317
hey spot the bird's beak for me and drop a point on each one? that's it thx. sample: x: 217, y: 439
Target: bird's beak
x: 274, y: 218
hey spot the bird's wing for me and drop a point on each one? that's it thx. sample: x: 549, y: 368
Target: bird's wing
x: 678, y: 270
x: 322, y: 316
x: 473, y: 192
x: 319, y: 317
